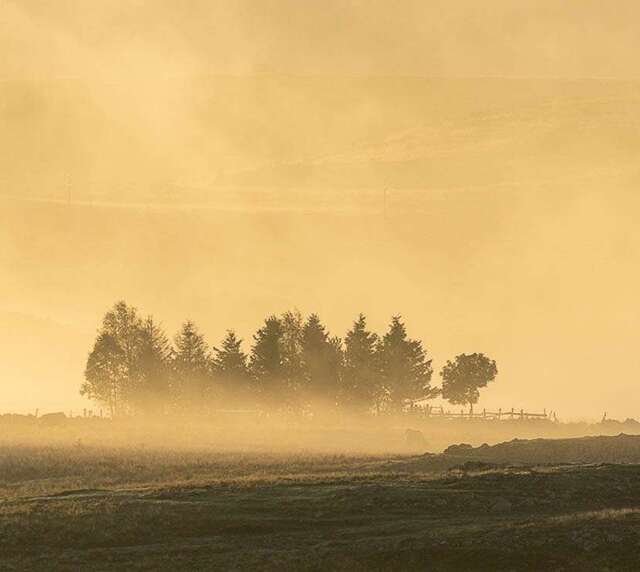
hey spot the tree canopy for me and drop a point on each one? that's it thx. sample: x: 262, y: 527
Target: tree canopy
x: 404, y: 368
x: 360, y: 375
x: 463, y: 378
x: 294, y: 364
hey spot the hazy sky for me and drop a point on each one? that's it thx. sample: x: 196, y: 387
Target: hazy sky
x: 511, y: 206
x: 99, y: 38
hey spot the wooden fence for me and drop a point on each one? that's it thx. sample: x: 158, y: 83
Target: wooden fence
x: 426, y: 410
x: 438, y: 411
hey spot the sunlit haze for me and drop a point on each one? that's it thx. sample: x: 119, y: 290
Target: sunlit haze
x: 470, y: 166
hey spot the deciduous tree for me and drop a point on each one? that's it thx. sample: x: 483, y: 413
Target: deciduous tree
x: 104, y: 373
x: 463, y: 378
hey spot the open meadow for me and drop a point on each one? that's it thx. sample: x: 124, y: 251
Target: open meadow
x: 319, y: 286
x: 76, y: 503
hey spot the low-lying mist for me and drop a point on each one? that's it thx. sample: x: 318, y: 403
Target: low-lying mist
x: 253, y: 433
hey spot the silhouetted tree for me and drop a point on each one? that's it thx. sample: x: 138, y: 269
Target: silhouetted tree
x: 104, y: 373
x: 192, y: 380
x: 463, y: 378
x: 321, y: 363
x: 150, y: 391
x: 124, y: 324
x: 293, y: 363
x: 291, y: 352
x: 230, y: 369
x: 114, y: 361
x: 360, y: 379
x: 266, y: 361
x: 404, y: 368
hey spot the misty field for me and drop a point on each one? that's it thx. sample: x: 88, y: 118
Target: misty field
x: 73, y: 507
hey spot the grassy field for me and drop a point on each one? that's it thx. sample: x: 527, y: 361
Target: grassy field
x: 75, y: 508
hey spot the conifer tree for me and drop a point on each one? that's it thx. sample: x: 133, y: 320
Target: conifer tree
x: 405, y: 371
x: 151, y: 390
x: 321, y: 363
x: 360, y: 389
x: 192, y: 380
x: 231, y: 371
x: 266, y: 361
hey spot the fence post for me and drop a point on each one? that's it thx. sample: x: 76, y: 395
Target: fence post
x: 500, y: 413
x: 521, y: 414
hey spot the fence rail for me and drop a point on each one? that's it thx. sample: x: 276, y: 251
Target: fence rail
x: 439, y: 411
x: 418, y: 409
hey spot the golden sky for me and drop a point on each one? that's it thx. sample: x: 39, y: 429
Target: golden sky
x: 223, y: 161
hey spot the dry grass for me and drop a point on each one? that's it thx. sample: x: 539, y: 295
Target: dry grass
x: 166, y: 507
x: 111, y: 509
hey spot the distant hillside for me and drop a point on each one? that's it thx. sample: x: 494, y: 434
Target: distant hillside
x: 597, y: 449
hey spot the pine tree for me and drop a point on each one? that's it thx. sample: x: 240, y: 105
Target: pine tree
x: 266, y: 361
x: 231, y: 371
x: 192, y: 380
x: 361, y: 378
x: 151, y: 392
x: 321, y: 359
x: 404, y: 368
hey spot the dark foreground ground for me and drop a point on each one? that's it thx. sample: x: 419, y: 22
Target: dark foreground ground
x: 323, y: 513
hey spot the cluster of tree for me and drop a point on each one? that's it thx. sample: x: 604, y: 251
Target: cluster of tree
x: 294, y: 365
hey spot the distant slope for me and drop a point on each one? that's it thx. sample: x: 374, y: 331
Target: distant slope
x: 601, y: 449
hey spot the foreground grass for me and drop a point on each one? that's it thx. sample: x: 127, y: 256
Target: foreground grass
x: 29, y: 470
x: 310, y: 512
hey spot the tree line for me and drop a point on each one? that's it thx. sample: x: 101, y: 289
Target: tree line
x: 294, y: 365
